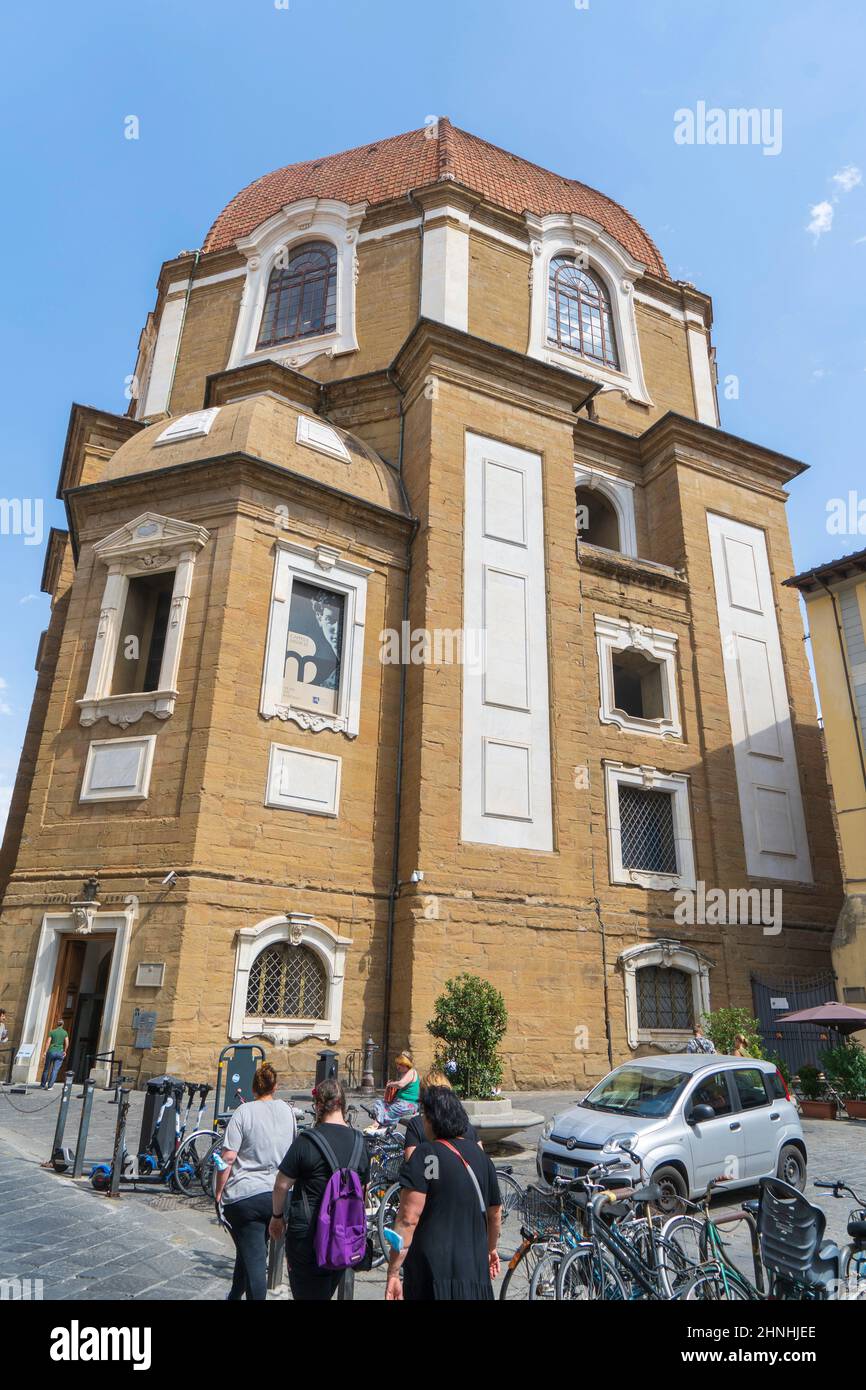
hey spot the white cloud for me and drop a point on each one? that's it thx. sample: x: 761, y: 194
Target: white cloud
x: 28, y: 598
x: 821, y: 219
x: 4, y: 707
x: 860, y: 240
x: 848, y: 178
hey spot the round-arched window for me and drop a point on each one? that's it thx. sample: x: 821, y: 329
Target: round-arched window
x: 287, y: 982
x: 302, y: 295
x: 578, y: 312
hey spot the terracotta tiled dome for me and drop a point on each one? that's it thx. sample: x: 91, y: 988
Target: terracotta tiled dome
x: 391, y: 168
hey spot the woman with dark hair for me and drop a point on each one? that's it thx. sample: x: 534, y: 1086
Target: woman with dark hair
x: 450, y: 1211
x: 306, y: 1171
x: 256, y: 1137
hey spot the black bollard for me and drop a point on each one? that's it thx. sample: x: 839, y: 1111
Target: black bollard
x: 119, y: 1144
x: 368, y: 1077
x: 65, y: 1097
x: 83, y: 1126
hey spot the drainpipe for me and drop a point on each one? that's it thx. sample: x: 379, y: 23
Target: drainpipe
x: 394, y: 889
x: 842, y: 652
x: 193, y: 267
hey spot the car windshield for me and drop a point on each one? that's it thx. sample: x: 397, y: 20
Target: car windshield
x: 637, y: 1091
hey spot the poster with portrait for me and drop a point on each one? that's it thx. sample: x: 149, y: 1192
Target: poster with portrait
x: 311, y: 676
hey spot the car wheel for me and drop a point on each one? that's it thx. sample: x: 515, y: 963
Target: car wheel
x: 674, y: 1190
x: 792, y: 1167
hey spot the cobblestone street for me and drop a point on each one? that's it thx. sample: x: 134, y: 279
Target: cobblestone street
x: 150, y: 1244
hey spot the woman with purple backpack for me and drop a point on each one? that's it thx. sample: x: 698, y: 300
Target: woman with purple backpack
x: 326, y: 1170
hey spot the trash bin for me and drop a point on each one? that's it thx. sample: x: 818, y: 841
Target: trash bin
x: 327, y: 1065
x: 158, y: 1087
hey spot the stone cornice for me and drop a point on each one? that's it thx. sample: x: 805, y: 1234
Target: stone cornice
x: 100, y: 430
x: 675, y: 437
x: 58, y: 540
x: 257, y: 378
x: 435, y: 349
x: 648, y: 574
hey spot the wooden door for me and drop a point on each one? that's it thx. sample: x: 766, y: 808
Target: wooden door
x: 64, y: 996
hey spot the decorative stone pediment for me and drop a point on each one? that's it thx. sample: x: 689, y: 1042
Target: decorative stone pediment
x: 151, y: 541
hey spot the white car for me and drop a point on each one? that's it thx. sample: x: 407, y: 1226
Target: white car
x: 689, y: 1117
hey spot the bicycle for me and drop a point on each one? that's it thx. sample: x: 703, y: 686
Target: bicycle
x: 800, y: 1265
x: 701, y: 1241
x: 551, y: 1224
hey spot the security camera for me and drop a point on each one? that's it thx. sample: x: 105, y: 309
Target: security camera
x: 170, y: 879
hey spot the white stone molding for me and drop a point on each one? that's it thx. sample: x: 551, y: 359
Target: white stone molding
x: 670, y: 955
x: 56, y: 926
x: 564, y: 234
x: 301, y: 780
x: 322, y: 565
x: 316, y: 434
x: 676, y: 784
x: 445, y: 267
x: 162, y: 362
x: 620, y: 635
x: 296, y: 929
x: 703, y: 375
x: 620, y: 493
x: 151, y: 544
x: 118, y: 769
x: 309, y: 219
x: 192, y: 426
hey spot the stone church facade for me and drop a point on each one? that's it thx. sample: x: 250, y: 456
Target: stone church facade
x: 419, y: 399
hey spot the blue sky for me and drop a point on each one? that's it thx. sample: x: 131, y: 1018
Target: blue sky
x: 225, y: 91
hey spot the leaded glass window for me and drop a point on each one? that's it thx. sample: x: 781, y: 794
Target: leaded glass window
x: 579, y: 314
x: 302, y: 295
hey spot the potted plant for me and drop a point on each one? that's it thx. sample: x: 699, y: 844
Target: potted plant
x: 845, y: 1068
x: 815, y: 1104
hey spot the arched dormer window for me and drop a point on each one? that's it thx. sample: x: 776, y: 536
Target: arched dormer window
x: 301, y: 301
x: 578, y: 312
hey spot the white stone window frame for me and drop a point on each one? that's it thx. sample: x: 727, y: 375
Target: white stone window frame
x: 150, y: 544
x: 295, y: 929
x: 668, y: 954
x: 564, y: 234
x: 620, y: 493
x: 325, y: 566
x: 650, y: 779
x: 621, y: 635
x: 308, y: 219
x: 135, y: 791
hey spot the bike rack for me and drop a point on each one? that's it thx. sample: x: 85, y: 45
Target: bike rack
x: 225, y: 1090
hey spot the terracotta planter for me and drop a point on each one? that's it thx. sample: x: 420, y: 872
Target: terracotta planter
x: 818, y: 1109
x: 856, y: 1109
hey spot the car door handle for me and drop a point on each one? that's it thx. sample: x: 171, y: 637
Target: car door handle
x: 735, y: 1125
x: 774, y: 1116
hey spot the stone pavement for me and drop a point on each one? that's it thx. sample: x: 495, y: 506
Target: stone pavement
x: 150, y: 1244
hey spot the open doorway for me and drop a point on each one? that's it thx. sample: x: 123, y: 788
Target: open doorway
x: 78, y: 997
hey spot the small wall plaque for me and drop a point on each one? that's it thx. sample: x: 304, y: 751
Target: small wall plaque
x: 150, y: 973
x: 144, y: 1023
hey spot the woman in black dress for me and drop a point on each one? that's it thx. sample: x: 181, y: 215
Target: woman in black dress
x: 450, y: 1211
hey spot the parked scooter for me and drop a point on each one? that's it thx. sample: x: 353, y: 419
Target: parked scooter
x: 154, y: 1166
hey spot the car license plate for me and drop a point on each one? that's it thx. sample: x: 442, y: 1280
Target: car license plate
x: 564, y: 1170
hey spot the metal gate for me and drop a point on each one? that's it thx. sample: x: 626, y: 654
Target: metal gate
x: 795, y: 1043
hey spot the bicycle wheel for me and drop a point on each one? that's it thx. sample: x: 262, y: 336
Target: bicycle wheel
x: 586, y: 1276
x: 519, y: 1272
x: 385, y: 1217
x: 716, y: 1286
x: 511, y: 1193
x: 681, y: 1250
x: 193, y: 1170
x: 542, y: 1285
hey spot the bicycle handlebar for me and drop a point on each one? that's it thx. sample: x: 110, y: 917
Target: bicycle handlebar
x: 839, y: 1188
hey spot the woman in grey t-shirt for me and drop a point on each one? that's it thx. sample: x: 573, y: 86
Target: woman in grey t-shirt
x: 257, y: 1136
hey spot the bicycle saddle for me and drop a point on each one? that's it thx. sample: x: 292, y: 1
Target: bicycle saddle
x: 791, y: 1234
x: 645, y: 1195
x: 752, y: 1206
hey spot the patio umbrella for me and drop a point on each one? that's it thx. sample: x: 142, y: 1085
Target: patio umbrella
x: 843, y: 1017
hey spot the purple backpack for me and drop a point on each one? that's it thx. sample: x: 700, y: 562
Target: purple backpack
x: 340, y: 1239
